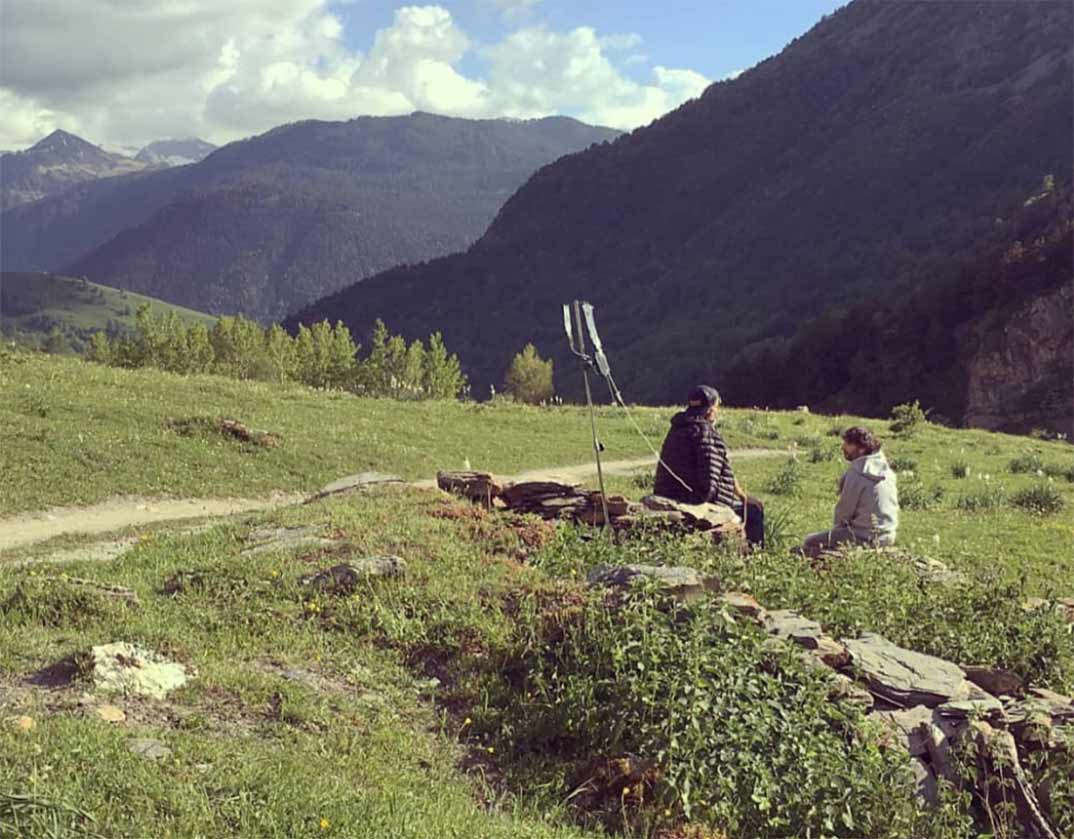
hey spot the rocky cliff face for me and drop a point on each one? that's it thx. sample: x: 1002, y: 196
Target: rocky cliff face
x: 1022, y: 377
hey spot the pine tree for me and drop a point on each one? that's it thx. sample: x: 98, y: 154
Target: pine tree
x: 529, y: 378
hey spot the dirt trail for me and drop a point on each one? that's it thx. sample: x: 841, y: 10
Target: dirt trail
x: 118, y: 513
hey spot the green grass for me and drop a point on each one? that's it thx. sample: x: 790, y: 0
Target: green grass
x: 491, y: 748
x: 72, y: 432
x: 35, y: 303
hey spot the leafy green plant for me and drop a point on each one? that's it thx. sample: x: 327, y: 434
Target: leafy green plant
x: 1027, y: 463
x: 907, y: 419
x: 822, y: 454
x: 960, y: 469
x: 989, y: 497
x: 732, y: 732
x: 903, y: 464
x: 788, y: 480
x: 916, y: 495
x: 1055, y: 470
x: 1042, y: 499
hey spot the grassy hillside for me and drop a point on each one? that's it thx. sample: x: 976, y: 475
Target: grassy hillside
x: 33, y: 305
x: 417, y: 707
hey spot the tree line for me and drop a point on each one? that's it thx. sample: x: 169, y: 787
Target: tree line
x: 321, y: 355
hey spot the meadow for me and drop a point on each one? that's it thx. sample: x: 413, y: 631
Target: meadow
x: 472, y: 697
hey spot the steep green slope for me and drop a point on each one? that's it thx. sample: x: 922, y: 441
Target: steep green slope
x: 37, y: 308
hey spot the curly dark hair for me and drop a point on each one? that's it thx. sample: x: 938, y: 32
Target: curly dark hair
x: 862, y: 437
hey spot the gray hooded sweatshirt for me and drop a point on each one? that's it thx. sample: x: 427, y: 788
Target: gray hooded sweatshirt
x: 869, y: 500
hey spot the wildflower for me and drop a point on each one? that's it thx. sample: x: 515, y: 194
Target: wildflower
x: 467, y: 722
x: 667, y: 813
x: 626, y: 791
x: 274, y: 573
x: 491, y: 750
x: 325, y: 824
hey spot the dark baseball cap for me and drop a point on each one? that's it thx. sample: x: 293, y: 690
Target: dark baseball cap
x: 703, y: 396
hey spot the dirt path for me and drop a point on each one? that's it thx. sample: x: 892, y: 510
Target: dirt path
x: 118, y: 513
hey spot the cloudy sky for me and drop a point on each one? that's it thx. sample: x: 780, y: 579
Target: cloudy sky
x: 125, y: 72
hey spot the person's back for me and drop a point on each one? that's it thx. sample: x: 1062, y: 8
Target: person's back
x: 867, y: 511
x: 688, y: 457
x: 695, y: 467
x: 869, y: 500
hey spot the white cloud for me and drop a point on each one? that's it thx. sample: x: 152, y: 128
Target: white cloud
x: 123, y: 72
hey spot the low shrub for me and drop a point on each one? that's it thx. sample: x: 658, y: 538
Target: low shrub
x: 1027, y: 463
x: 822, y: 454
x: 907, y: 419
x: 1042, y: 499
x: 903, y: 464
x: 788, y: 480
x: 915, y: 495
x: 989, y: 497
x: 699, y: 718
x: 960, y: 469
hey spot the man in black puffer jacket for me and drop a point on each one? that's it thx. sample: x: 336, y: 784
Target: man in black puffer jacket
x: 695, y: 468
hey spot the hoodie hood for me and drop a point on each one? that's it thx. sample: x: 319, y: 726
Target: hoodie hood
x: 690, y: 416
x: 873, y: 467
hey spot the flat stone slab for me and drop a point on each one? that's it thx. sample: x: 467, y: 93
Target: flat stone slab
x: 129, y: 669
x: 680, y: 580
x: 789, y: 625
x: 905, y: 677
x: 344, y: 578
x: 358, y: 482
x: 149, y: 749
x: 269, y: 539
x: 701, y: 516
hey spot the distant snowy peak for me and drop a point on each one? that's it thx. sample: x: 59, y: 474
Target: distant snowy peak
x: 175, y: 152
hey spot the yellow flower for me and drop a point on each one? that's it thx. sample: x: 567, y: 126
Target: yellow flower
x: 626, y: 790
x: 667, y: 813
x: 325, y: 824
x: 467, y: 722
x: 491, y: 750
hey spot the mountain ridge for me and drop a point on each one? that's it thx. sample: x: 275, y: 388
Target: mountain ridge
x: 861, y: 159
x: 265, y: 225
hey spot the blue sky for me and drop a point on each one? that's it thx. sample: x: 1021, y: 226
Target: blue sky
x: 225, y: 70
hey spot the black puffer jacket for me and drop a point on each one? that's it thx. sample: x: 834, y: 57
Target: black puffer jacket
x: 695, y: 451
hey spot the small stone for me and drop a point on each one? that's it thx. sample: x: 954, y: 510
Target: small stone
x: 789, y: 625
x: 994, y: 680
x: 126, y: 668
x: 845, y: 690
x: 745, y: 605
x: 110, y: 713
x: 149, y: 749
x: 344, y: 578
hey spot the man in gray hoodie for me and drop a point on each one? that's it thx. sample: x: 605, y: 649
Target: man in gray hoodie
x: 868, y: 509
